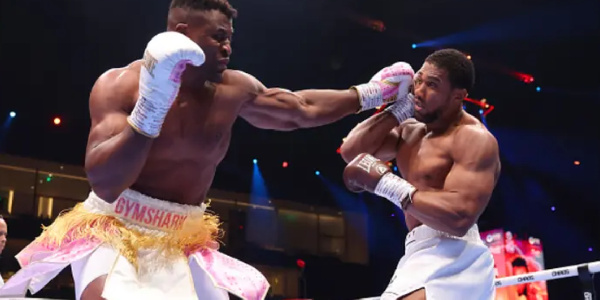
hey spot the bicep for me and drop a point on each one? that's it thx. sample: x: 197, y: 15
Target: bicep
x: 389, y: 147
x: 109, y: 102
x: 471, y: 182
x: 106, y: 125
x: 474, y: 173
x: 273, y: 109
x: 265, y: 108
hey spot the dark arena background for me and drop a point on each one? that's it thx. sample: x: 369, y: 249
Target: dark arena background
x: 280, y: 194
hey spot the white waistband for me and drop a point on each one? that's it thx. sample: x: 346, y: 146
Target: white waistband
x: 423, y: 232
x: 143, y: 212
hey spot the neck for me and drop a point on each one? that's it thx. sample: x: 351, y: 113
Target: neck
x: 192, y: 78
x: 445, y: 122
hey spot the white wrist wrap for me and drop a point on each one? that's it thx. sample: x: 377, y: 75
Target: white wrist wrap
x: 156, y: 98
x: 402, y: 109
x: 370, y: 95
x: 395, y: 189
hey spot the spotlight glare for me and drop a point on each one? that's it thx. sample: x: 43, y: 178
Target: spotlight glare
x: 57, y: 121
x: 577, y: 163
x: 590, y: 249
x: 414, y: 46
x: 12, y: 114
x: 285, y: 164
x: 538, y: 89
x: 254, y: 161
x: 553, y: 208
x: 317, y: 173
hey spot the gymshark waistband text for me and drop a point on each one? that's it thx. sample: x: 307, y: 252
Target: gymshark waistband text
x: 148, y: 215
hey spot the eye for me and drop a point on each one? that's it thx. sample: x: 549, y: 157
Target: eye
x: 431, y: 84
x: 219, y: 37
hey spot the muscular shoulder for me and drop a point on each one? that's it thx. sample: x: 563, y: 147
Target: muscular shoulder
x: 121, y: 77
x: 474, y: 141
x: 242, y: 80
x: 116, y: 87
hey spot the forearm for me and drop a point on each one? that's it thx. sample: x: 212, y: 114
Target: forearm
x: 115, y: 164
x: 323, y: 107
x: 441, y: 210
x: 368, y: 136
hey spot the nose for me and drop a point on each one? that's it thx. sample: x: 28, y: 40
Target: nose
x: 418, y: 90
x: 226, y: 49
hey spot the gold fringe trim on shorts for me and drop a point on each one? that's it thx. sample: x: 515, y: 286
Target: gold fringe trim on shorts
x: 197, y: 232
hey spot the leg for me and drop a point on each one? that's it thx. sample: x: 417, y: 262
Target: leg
x: 416, y: 295
x: 89, y: 273
x: 94, y: 289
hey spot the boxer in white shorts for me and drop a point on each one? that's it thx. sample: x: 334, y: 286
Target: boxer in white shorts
x: 449, y: 163
x: 160, y: 127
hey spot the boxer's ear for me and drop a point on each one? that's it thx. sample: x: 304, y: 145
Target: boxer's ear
x: 459, y: 94
x: 181, y: 28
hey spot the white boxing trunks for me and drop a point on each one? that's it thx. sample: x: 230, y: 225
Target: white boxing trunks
x: 447, y: 267
x: 148, y: 248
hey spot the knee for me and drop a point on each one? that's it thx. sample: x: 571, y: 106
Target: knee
x: 93, y: 291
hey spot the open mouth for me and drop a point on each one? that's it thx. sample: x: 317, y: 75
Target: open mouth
x: 418, y: 105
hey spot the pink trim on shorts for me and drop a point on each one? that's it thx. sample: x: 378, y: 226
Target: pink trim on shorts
x: 41, y: 262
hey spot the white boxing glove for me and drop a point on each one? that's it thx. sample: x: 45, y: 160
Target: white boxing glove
x: 165, y: 60
x: 388, y: 85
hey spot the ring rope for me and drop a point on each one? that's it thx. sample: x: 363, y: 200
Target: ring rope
x: 550, y: 274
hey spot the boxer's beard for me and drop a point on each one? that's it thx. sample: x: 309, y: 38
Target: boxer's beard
x: 429, y: 117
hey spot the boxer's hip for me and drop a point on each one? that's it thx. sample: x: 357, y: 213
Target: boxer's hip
x: 132, y: 223
x: 423, y: 235
x: 446, y: 266
x: 150, y: 215
x: 154, y: 246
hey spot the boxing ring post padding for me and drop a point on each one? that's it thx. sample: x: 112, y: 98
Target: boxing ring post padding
x: 550, y: 274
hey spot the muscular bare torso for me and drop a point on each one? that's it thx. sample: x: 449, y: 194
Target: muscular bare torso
x: 193, y: 141
x: 425, y: 159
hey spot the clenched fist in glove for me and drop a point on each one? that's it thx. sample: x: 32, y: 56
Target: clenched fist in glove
x: 165, y: 59
x: 388, y: 85
x: 367, y: 173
